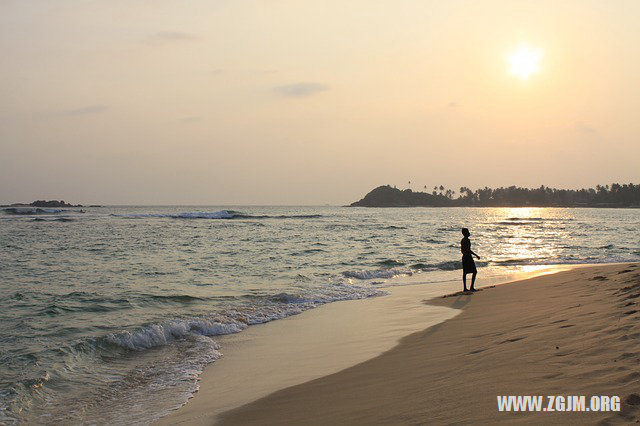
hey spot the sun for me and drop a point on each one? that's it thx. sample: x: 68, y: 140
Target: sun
x: 524, y: 61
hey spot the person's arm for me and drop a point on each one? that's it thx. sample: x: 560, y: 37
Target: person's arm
x: 478, y: 257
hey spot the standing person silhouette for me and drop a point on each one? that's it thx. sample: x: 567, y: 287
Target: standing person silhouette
x: 468, y: 265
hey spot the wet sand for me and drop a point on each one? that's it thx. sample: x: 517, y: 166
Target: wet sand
x: 318, y: 342
x: 571, y: 333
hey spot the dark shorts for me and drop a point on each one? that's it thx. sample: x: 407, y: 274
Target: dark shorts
x: 468, y: 265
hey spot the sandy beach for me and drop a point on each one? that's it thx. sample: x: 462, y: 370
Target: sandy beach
x: 570, y: 333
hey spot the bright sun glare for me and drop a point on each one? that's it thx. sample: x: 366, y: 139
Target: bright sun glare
x: 524, y: 61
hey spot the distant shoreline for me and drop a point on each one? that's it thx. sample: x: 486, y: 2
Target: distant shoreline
x: 616, y: 196
x: 528, y: 206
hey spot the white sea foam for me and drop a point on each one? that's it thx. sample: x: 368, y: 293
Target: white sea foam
x: 267, y: 308
x: 155, y: 335
x: 377, y: 273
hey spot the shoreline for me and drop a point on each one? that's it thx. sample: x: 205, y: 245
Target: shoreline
x: 316, y: 343
x: 570, y: 333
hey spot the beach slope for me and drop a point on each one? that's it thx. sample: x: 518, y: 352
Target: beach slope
x: 571, y: 333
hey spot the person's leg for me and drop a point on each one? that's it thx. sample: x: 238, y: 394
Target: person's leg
x: 473, y: 281
x: 464, y: 281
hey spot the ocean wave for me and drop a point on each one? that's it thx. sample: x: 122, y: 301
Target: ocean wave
x: 564, y: 261
x: 519, y: 222
x: 377, y: 273
x: 308, y: 251
x: 54, y: 309
x: 450, y: 265
x: 28, y: 211
x: 161, y: 334
x: 258, y: 309
x: 419, y: 266
x: 53, y: 219
x: 283, y: 216
x: 222, y: 214
x: 181, y: 298
x: 390, y: 263
x: 434, y: 241
x: 538, y: 219
x: 17, y: 296
x: 288, y: 298
x: 515, y: 261
x: 391, y: 272
x: 80, y: 301
x: 454, y: 265
x: 88, y: 306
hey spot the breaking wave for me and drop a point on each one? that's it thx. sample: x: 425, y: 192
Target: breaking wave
x: 30, y: 211
x: 222, y: 214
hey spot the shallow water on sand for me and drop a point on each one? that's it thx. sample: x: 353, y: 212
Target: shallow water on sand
x: 108, y: 314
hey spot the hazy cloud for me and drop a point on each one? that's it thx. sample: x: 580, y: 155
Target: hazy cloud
x: 585, y: 128
x: 89, y: 109
x: 191, y: 119
x: 171, y: 36
x: 452, y: 105
x: 300, y: 90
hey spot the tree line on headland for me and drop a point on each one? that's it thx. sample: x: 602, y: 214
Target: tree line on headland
x: 45, y: 203
x: 614, y: 195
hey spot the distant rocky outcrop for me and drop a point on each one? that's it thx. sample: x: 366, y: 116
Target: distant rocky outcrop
x: 53, y: 203
x: 386, y: 196
x: 46, y: 204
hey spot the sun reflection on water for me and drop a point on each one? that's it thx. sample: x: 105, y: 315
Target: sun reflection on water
x: 528, y: 233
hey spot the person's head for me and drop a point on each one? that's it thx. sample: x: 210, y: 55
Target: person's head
x: 465, y: 232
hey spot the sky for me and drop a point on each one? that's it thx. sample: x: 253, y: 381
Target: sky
x: 289, y: 102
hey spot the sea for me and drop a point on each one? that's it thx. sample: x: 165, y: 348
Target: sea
x: 108, y: 315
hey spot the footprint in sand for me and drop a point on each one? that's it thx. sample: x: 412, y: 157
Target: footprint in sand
x: 633, y: 399
x: 627, y: 355
x: 513, y: 339
x: 631, y: 377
